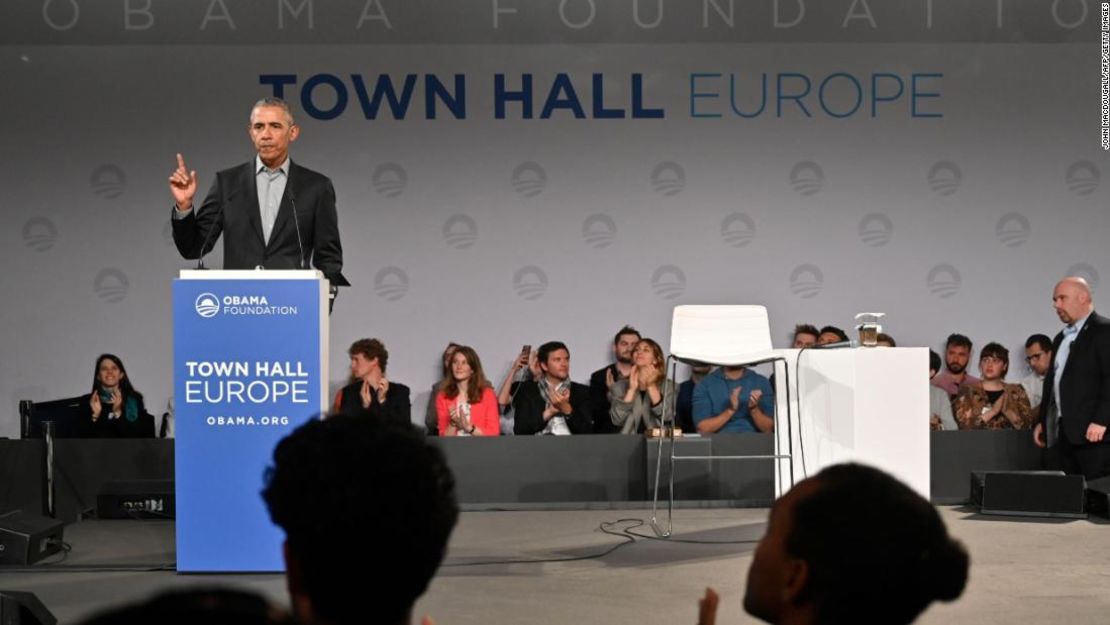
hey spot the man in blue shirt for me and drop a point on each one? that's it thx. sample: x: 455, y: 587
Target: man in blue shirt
x: 734, y: 399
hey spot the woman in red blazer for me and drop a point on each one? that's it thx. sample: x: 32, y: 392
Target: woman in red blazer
x: 466, y: 404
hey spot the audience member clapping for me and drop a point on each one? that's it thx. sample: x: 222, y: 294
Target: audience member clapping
x: 602, y: 380
x: 115, y: 408
x: 734, y: 399
x: 637, y: 402
x: 465, y: 403
x: 370, y: 393
x: 990, y: 403
x: 551, y: 403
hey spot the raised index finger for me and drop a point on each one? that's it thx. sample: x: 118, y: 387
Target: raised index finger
x: 180, y: 161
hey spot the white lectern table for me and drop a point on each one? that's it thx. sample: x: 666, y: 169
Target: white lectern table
x: 867, y: 405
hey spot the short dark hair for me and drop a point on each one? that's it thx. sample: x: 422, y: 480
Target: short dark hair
x: 351, y: 490
x: 996, y: 350
x: 626, y: 330
x: 279, y: 103
x: 869, y: 540
x: 883, y: 337
x: 935, y: 363
x: 1040, y: 340
x: 834, y: 330
x: 958, y: 340
x: 806, y: 328
x: 371, y: 349
x: 545, y: 350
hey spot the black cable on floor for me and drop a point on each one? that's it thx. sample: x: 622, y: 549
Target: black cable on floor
x: 53, y: 567
x: 628, y: 540
x: 670, y: 539
x: 627, y: 535
x: 606, y: 527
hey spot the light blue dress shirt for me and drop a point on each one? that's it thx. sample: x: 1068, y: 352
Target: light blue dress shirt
x: 271, y: 186
x: 1061, y: 358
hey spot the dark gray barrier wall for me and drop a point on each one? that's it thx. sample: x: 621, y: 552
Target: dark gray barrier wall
x: 81, y: 467
x: 954, y: 455
x: 547, y: 469
x: 518, y: 471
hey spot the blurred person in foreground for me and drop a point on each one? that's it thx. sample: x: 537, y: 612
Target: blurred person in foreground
x: 367, y: 507
x: 210, y: 606
x: 850, y: 545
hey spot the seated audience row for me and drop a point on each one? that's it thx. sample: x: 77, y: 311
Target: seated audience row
x: 629, y: 396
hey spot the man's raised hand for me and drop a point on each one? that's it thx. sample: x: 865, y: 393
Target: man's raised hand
x: 183, y: 185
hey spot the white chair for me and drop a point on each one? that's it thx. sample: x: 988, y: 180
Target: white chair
x: 726, y: 336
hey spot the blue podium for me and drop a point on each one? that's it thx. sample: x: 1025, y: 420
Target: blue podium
x: 250, y: 365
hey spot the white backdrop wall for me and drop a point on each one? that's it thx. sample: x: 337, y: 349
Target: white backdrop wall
x: 498, y: 232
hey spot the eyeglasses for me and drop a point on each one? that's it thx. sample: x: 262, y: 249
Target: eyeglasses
x: 1032, y: 357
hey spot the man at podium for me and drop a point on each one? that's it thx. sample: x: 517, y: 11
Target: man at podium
x: 273, y: 213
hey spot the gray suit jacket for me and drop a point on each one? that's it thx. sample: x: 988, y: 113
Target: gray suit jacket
x: 638, y: 415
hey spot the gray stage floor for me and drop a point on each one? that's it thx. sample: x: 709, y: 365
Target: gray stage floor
x: 1022, y: 571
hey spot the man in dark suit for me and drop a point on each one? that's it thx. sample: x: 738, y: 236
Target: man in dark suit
x: 253, y: 205
x: 370, y: 394
x: 601, y: 381
x: 1075, y: 407
x: 553, y: 404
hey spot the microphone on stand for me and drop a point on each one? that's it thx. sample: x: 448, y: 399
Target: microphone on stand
x: 297, y: 225
x: 208, y: 234
x: 836, y: 345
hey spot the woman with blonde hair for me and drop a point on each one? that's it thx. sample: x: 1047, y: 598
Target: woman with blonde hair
x: 637, y: 402
x: 466, y: 404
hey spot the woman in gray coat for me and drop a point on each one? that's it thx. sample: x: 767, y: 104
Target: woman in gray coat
x: 641, y: 400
